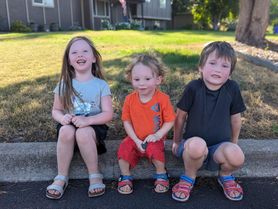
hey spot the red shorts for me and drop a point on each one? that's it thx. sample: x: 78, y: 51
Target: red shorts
x: 129, y: 152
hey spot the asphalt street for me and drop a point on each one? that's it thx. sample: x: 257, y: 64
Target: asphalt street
x: 259, y: 193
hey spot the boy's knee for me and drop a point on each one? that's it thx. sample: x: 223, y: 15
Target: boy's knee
x: 234, y: 155
x: 196, y: 148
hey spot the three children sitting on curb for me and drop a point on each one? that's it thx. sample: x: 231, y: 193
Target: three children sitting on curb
x: 210, y: 109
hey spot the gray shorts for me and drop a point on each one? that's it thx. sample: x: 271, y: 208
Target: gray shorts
x: 209, y: 163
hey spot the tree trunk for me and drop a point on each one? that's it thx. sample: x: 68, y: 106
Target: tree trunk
x: 253, y: 22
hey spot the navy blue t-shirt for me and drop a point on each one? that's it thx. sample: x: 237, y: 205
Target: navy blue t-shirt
x: 209, y: 112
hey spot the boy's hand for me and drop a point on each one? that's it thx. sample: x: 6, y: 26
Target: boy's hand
x: 66, y: 119
x: 80, y: 121
x: 175, y: 148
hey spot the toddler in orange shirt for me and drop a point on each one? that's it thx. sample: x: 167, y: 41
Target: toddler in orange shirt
x: 147, y: 116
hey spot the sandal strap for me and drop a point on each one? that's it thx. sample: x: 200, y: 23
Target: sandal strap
x: 125, y: 177
x: 61, y: 178
x: 182, y: 186
x: 226, y: 178
x: 163, y: 176
x: 187, y: 179
x: 162, y: 182
x: 55, y: 187
x: 96, y: 186
x: 95, y: 176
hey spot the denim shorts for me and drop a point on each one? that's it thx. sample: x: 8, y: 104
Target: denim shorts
x: 209, y: 163
x: 101, y: 133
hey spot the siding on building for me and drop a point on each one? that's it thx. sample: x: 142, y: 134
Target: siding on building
x: 71, y: 13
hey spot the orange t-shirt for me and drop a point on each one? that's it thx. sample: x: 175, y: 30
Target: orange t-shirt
x: 147, y: 118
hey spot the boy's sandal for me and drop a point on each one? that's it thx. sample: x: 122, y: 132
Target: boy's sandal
x: 125, y: 181
x: 230, y: 186
x: 96, y: 186
x: 184, y: 188
x: 58, y: 188
x: 162, y: 181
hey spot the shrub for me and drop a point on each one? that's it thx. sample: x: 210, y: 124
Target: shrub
x: 106, y: 25
x: 54, y: 27
x: 135, y: 25
x: 122, y: 26
x: 20, y: 27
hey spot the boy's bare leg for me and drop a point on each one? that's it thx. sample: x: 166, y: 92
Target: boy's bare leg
x: 86, y: 140
x: 194, y: 154
x: 65, y: 147
x: 231, y: 158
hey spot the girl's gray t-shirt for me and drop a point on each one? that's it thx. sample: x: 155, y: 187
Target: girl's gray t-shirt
x: 90, y: 92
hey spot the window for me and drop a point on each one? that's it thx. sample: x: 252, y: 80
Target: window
x: 102, y: 9
x: 43, y: 3
x: 162, y: 4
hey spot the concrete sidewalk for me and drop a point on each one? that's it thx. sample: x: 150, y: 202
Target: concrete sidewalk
x: 37, y: 161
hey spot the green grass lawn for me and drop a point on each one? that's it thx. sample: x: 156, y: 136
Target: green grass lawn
x: 30, y: 67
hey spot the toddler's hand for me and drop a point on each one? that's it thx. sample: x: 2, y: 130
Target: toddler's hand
x: 152, y: 138
x: 66, y: 119
x: 80, y: 121
x: 139, y: 146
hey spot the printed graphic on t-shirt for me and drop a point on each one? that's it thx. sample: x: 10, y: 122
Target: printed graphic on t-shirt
x: 82, y: 107
x: 156, y: 118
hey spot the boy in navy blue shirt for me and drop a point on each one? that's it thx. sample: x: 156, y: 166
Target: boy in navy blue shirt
x: 211, y: 107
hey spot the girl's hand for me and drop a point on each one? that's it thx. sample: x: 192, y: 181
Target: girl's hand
x: 66, y: 119
x: 80, y: 121
x: 175, y: 148
x: 152, y: 138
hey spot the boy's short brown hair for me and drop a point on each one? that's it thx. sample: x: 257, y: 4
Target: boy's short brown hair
x: 223, y: 49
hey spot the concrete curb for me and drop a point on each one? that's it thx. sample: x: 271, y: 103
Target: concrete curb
x: 37, y: 161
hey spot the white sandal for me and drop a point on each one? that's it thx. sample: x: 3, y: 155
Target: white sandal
x: 95, y: 186
x: 58, y: 188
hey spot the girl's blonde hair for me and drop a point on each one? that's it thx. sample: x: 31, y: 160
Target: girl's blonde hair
x: 66, y: 90
x: 148, y: 60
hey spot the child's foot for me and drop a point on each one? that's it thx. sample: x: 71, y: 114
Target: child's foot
x: 161, y: 184
x: 125, y: 185
x: 96, y: 188
x: 232, y: 190
x: 181, y: 191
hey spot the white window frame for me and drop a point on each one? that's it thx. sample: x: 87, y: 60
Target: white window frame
x: 45, y: 3
x: 106, y: 3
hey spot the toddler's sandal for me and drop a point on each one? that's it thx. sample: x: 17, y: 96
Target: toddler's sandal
x: 125, y: 181
x: 229, y: 186
x: 161, y: 181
